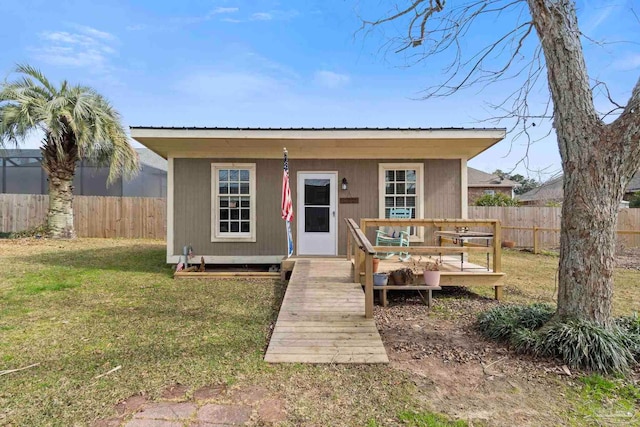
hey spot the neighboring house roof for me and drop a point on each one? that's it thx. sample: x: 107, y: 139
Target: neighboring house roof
x: 550, y: 190
x: 149, y: 158
x: 478, y: 178
x: 318, y: 143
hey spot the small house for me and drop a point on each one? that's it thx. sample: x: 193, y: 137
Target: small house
x: 481, y: 183
x: 224, y: 185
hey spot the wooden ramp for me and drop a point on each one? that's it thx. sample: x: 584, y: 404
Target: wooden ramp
x: 322, y: 318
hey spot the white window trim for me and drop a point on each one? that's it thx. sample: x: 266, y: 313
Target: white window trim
x: 419, y: 167
x: 216, y: 236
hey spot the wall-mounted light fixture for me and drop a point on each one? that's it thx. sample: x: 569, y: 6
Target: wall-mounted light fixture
x: 345, y: 183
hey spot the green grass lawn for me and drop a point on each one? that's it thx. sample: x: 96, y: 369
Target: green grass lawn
x: 84, y: 307
x: 532, y: 278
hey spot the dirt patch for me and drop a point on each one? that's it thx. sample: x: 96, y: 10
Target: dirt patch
x: 461, y: 374
x: 175, y: 392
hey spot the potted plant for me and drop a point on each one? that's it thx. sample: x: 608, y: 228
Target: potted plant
x: 380, y: 279
x: 403, y: 276
x: 508, y: 244
x: 376, y: 263
x: 430, y: 270
x: 431, y: 273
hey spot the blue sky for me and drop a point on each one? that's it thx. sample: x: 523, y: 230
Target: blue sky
x: 285, y: 63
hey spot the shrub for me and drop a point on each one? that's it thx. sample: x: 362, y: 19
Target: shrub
x: 37, y: 231
x: 583, y: 344
x: 634, y: 201
x: 499, y: 323
x: 578, y: 343
x: 497, y: 199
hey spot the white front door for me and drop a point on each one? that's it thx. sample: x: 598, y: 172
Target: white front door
x: 317, y: 215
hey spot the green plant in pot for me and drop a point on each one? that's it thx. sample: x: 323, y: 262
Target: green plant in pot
x: 376, y: 263
x: 430, y: 270
x: 402, y: 276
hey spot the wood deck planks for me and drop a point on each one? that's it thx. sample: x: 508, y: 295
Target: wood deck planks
x: 321, y: 319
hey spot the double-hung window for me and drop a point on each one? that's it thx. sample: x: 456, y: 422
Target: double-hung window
x: 233, y: 202
x: 401, y: 186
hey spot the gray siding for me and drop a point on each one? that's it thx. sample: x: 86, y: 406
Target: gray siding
x: 192, y: 200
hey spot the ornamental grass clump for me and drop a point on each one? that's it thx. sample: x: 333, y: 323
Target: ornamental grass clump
x: 502, y: 321
x: 578, y: 343
x: 586, y: 345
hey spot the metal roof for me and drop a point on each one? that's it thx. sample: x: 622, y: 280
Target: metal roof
x: 309, y: 128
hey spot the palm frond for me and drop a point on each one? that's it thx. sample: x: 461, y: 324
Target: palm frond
x: 78, y: 122
x: 36, y: 74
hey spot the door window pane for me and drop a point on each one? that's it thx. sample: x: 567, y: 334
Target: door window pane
x: 316, y: 219
x: 317, y: 192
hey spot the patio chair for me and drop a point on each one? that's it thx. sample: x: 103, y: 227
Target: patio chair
x: 395, y: 236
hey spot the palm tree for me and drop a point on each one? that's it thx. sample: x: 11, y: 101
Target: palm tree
x: 77, y: 123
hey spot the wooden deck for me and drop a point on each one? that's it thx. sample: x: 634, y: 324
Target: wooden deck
x: 322, y: 318
x: 450, y: 273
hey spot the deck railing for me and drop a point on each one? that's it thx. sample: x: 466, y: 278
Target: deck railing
x: 361, y: 252
x: 357, y: 242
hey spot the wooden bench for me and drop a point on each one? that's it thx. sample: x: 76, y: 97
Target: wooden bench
x: 428, y: 300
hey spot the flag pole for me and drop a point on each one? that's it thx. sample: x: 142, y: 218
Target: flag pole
x: 286, y: 222
x: 287, y: 204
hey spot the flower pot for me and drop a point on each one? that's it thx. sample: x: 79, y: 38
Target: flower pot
x: 376, y: 263
x: 398, y: 277
x: 432, y: 278
x: 508, y: 243
x: 380, y: 279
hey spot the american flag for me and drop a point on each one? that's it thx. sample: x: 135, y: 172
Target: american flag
x: 287, y: 203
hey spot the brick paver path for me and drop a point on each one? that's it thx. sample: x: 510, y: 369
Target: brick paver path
x: 208, y: 407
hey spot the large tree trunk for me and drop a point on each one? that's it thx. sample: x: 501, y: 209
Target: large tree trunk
x: 59, y: 161
x: 60, y: 216
x: 592, y: 196
x: 598, y: 160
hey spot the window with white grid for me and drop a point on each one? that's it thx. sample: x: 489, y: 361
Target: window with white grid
x: 401, y: 187
x: 233, y: 202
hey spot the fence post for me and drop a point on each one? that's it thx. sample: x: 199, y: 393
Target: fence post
x: 536, y: 250
x: 368, y: 286
x: 497, y: 256
x: 349, y: 248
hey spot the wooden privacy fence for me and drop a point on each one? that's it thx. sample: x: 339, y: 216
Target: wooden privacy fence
x: 94, y: 216
x: 539, y: 227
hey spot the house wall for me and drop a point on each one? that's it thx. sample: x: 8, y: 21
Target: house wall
x: 476, y: 192
x: 192, y: 200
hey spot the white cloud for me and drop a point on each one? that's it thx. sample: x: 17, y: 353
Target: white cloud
x: 86, y: 47
x: 628, y: 62
x: 206, y: 17
x: 220, y: 10
x: 92, y: 32
x: 280, y: 15
x: 244, y: 77
x: 239, y: 86
x: 330, y: 79
x: 232, y: 20
x: 136, y: 27
x: 593, y: 17
x: 261, y: 16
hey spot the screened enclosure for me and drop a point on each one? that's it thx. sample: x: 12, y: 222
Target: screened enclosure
x: 21, y: 173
